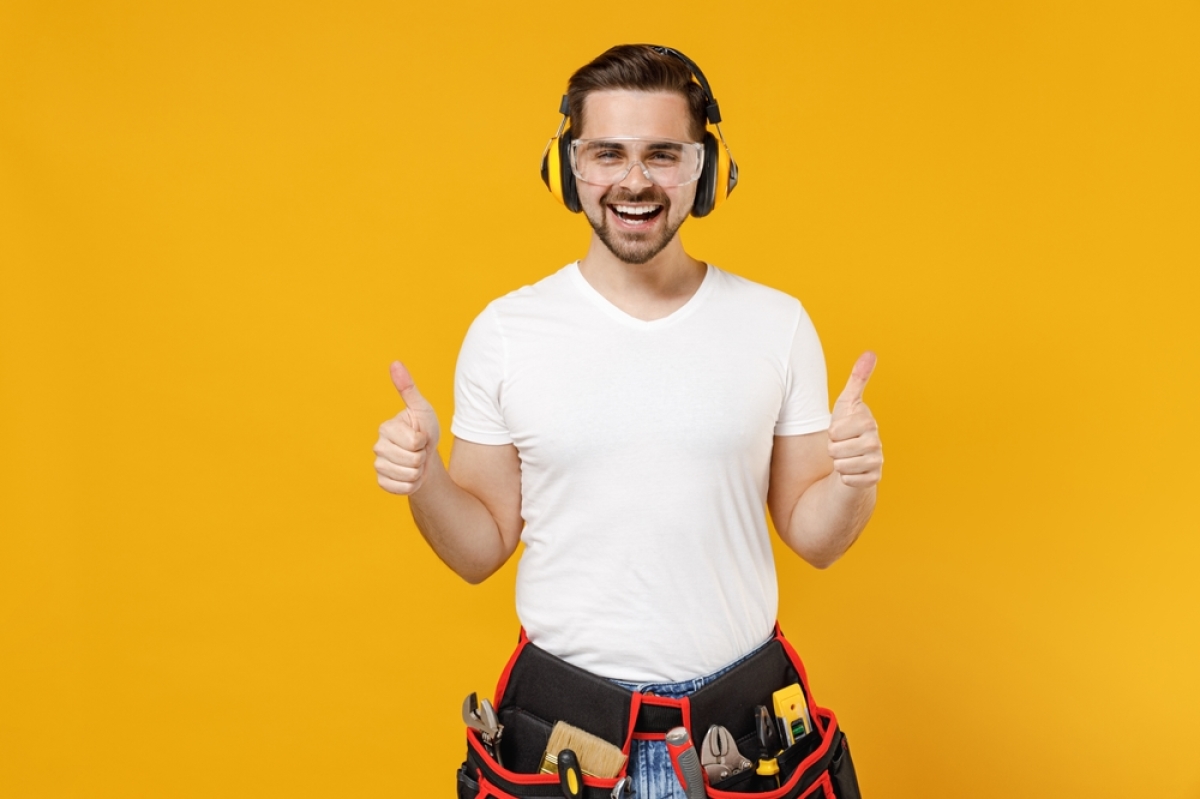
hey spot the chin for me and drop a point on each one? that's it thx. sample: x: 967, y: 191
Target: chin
x: 632, y: 248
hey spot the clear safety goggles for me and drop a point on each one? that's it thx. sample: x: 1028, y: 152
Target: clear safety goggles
x: 664, y: 162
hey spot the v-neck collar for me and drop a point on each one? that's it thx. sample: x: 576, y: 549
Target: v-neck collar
x: 680, y: 313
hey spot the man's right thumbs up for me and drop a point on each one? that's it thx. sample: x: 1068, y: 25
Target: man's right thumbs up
x: 403, y: 382
x: 407, y: 440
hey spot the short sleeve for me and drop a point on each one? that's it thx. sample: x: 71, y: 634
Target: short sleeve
x: 806, y: 398
x: 478, y: 377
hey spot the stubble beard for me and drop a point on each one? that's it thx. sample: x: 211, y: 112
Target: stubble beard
x: 634, y: 247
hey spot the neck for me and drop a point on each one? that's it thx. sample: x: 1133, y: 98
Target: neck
x: 646, y: 291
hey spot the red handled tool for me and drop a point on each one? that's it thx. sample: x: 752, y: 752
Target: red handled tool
x: 686, y: 763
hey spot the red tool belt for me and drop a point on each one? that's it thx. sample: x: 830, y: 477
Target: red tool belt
x: 538, y: 689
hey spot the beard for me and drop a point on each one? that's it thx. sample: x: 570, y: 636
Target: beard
x: 634, y: 247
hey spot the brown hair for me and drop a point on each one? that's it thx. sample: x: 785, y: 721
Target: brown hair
x: 637, y: 67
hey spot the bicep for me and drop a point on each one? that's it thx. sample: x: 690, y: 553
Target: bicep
x: 492, y: 474
x: 797, y: 462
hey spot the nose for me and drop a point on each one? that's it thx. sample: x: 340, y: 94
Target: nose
x: 637, y: 177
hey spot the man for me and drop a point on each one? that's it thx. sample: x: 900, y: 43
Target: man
x: 629, y: 416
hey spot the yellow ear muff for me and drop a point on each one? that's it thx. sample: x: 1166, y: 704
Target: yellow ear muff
x: 552, y: 169
x: 726, y: 170
x: 556, y: 167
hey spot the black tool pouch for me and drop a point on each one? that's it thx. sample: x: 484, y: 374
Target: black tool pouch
x: 537, y: 689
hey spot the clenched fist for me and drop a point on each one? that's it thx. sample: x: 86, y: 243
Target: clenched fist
x: 408, y: 440
x: 853, y: 435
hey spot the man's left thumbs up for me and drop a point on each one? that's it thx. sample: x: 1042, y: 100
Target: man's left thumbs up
x: 853, y: 434
x: 408, y: 440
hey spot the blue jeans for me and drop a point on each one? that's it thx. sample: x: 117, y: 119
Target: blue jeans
x: 649, y: 761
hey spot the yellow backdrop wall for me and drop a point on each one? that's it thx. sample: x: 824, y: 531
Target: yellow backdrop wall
x: 219, y: 222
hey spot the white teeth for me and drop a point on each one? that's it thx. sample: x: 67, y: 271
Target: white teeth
x: 636, y: 210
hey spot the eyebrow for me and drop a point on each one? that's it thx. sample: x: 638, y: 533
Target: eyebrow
x: 618, y: 144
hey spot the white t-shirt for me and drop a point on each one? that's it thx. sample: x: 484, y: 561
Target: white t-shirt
x: 645, y: 449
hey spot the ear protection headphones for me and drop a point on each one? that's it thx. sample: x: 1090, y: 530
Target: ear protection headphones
x: 718, y: 176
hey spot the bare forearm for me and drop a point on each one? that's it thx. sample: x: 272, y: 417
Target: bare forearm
x: 457, y: 525
x: 819, y: 513
x: 472, y: 520
x: 827, y: 519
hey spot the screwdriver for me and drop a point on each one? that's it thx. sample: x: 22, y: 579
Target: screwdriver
x: 687, y: 763
x: 570, y: 775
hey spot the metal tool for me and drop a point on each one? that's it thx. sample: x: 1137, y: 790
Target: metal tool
x: 686, y: 763
x: 720, y: 756
x: 768, y: 746
x: 623, y: 789
x: 481, y: 716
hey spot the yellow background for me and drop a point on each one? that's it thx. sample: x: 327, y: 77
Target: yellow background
x: 219, y: 222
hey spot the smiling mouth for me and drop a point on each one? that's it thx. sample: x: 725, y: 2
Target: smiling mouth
x: 636, y: 214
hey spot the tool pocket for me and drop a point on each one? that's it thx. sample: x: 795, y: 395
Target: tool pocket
x: 525, y: 739
x: 493, y: 781
x: 535, y: 691
x: 750, y: 782
x: 808, y: 768
x: 467, y: 787
x: 845, y: 780
x: 818, y: 764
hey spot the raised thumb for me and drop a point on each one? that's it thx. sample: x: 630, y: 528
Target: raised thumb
x: 403, y: 382
x: 859, y: 376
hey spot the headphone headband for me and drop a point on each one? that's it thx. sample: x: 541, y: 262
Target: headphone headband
x: 712, y: 110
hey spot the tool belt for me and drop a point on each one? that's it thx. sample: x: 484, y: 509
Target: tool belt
x: 538, y: 689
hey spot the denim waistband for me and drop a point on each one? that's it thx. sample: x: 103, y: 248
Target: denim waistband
x: 678, y: 690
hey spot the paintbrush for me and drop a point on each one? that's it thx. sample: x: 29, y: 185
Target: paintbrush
x: 597, y: 757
